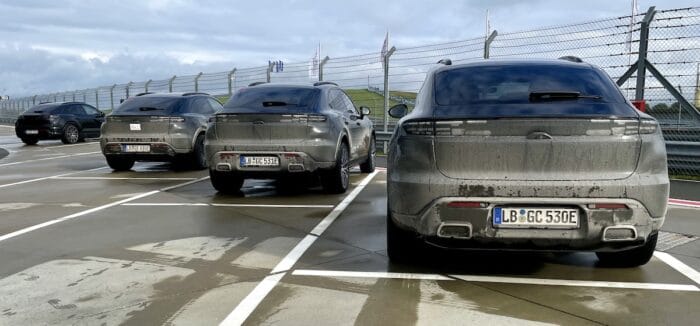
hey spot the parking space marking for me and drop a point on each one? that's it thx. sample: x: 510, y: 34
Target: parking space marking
x: 683, y: 202
x: 352, y: 274
x: 165, y: 204
x: 273, y: 206
x: 500, y: 279
x: 254, y: 298
x: 50, y: 158
x: 92, y: 210
x: 678, y: 265
x: 122, y: 178
x: 47, y: 178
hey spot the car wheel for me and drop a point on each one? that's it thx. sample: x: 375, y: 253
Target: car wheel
x: 336, y: 180
x: 225, y: 183
x: 630, y: 258
x: 30, y: 141
x: 71, y: 134
x: 402, y: 246
x: 369, y: 165
x: 120, y: 163
x: 199, y: 159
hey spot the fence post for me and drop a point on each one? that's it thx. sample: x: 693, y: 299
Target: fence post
x: 34, y: 100
x: 643, y: 46
x: 386, y: 91
x: 196, y: 82
x: 320, y: 68
x: 230, y: 81
x: 97, y: 98
x: 487, y: 44
x: 111, y: 97
x: 170, y: 83
x: 73, y: 96
x: 127, y: 88
x: 145, y: 87
x: 269, y: 71
x: 84, y: 95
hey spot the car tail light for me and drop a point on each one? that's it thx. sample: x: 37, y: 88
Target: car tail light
x: 177, y: 119
x: 421, y: 128
x: 53, y: 118
x: 607, y: 206
x: 467, y: 204
x: 303, y: 118
x: 226, y: 118
x: 446, y: 128
x: 648, y: 126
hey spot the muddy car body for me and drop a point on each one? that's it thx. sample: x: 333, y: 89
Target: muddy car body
x: 526, y: 155
x: 167, y: 127
x: 280, y: 131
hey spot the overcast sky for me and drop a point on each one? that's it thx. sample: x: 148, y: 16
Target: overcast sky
x: 51, y: 46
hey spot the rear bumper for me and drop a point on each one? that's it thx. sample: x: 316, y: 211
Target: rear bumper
x: 290, y: 162
x: 162, y: 147
x: 45, y: 131
x: 419, y: 204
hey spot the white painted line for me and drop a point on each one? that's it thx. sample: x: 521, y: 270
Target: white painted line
x: 122, y: 178
x: 600, y: 284
x: 47, y: 178
x: 50, y: 158
x: 251, y: 302
x: 7, y: 126
x: 165, y: 204
x: 326, y: 222
x: 678, y: 265
x: 403, y: 276
x: 685, y: 180
x: 92, y: 210
x: 273, y: 206
x: 683, y: 202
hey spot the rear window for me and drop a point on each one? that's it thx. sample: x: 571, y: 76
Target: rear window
x: 42, y: 108
x: 270, y: 99
x: 149, y: 106
x: 513, y: 84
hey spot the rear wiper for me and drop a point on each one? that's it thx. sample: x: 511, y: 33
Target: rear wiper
x: 559, y: 95
x: 274, y: 103
x: 146, y: 108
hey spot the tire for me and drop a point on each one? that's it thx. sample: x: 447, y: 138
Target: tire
x: 369, y: 165
x: 30, y: 141
x: 337, y: 179
x: 225, y: 183
x: 71, y: 134
x: 120, y: 163
x: 402, y: 246
x: 199, y: 159
x: 630, y: 258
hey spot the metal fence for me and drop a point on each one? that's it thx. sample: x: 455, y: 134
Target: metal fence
x: 661, y: 46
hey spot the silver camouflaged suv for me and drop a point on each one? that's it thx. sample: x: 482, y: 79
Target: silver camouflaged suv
x: 158, y: 127
x: 526, y: 155
x: 279, y: 131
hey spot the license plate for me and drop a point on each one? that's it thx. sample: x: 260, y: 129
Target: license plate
x: 536, y: 217
x: 259, y: 161
x: 135, y: 126
x: 137, y: 148
x: 31, y: 132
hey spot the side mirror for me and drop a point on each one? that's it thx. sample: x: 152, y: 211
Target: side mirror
x: 398, y: 111
x: 364, y: 111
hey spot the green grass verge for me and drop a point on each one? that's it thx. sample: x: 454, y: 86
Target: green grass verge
x: 685, y: 177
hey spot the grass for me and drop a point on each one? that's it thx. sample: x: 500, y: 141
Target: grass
x: 685, y: 177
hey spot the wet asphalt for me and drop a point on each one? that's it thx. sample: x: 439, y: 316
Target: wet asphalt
x: 80, y: 244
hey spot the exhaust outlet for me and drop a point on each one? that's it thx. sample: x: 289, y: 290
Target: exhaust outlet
x: 619, y: 233
x: 455, y: 230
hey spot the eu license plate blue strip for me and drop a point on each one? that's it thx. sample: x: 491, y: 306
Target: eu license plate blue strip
x: 242, y: 160
x: 497, y: 214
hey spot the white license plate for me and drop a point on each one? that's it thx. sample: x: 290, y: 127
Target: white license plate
x: 137, y: 148
x: 259, y: 161
x: 537, y: 217
x: 135, y: 126
x: 31, y: 132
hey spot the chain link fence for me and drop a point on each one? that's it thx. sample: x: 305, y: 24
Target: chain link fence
x: 666, y: 42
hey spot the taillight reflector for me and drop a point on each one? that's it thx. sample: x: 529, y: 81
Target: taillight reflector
x: 467, y: 204
x: 607, y: 206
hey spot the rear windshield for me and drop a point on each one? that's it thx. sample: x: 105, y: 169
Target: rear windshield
x: 514, y: 84
x: 149, y: 105
x: 272, y: 99
x: 42, y: 108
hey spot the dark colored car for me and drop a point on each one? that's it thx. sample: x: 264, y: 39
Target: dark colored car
x: 526, y: 155
x: 69, y: 121
x: 160, y: 127
x: 285, y: 131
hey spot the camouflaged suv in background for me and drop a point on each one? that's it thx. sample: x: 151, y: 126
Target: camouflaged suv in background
x: 280, y: 131
x: 526, y: 155
x: 158, y: 127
